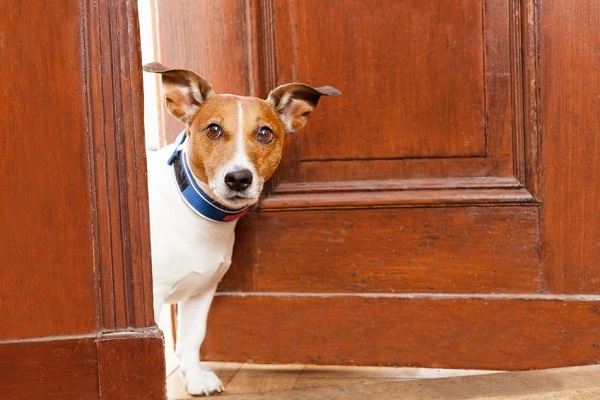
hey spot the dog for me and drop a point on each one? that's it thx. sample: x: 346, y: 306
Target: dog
x: 201, y: 185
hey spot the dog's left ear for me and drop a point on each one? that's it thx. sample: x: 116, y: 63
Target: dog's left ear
x: 295, y: 101
x: 184, y: 90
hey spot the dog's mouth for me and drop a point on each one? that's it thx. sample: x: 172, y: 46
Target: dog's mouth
x: 238, y: 200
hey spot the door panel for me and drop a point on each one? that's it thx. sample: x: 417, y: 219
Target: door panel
x: 427, y: 118
x: 486, y: 332
x: 415, y: 43
x: 432, y: 100
x: 406, y: 250
x: 428, y: 89
x: 413, y: 221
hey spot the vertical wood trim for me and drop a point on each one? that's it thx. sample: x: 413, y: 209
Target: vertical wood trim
x: 272, y: 23
x: 531, y: 94
x: 117, y: 164
x: 269, y: 44
x: 516, y: 71
x: 525, y: 92
x: 255, y: 48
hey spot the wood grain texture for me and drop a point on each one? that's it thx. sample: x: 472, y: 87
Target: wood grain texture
x: 45, y: 216
x: 486, y: 333
x: 438, y: 250
x: 74, y: 255
x: 55, y: 369
x: 570, y: 46
x: 355, y: 215
x: 334, y: 197
x: 128, y: 368
x: 193, y: 30
x: 274, y: 42
x: 390, y: 115
x: 117, y: 164
x: 121, y: 365
x: 365, y: 134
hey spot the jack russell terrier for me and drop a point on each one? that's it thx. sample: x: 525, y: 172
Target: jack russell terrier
x: 201, y: 184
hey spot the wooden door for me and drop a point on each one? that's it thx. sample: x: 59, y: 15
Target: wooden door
x: 75, y: 286
x: 443, y: 211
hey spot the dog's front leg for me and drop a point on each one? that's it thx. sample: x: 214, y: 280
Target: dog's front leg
x: 191, y: 329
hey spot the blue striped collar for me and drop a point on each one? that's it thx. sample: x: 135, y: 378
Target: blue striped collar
x: 191, y: 192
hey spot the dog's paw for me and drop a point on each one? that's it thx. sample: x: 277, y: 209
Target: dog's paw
x: 202, y: 383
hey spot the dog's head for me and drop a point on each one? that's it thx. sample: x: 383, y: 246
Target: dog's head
x: 235, y: 142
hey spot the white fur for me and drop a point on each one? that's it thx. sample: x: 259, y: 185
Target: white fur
x: 190, y: 255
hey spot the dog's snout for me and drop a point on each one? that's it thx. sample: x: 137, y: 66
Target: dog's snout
x: 238, y: 180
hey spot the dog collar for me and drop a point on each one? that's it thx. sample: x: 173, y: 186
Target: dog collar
x: 191, y: 192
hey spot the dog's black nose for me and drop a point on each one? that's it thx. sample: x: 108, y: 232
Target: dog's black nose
x: 238, y: 180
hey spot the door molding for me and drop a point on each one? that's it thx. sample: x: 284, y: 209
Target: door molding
x: 485, y: 184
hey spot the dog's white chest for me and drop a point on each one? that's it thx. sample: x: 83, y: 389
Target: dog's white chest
x: 189, y: 252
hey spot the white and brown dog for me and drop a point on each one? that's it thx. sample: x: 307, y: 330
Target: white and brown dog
x: 200, y: 185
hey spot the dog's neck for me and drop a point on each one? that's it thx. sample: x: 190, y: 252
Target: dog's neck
x: 197, y: 194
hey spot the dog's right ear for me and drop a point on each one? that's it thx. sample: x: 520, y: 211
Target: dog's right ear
x: 184, y: 90
x: 294, y: 102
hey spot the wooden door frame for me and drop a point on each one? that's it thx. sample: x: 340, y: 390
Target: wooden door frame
x: 123, y: 357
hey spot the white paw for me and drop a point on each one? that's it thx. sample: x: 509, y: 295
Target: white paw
x: 202, y: 382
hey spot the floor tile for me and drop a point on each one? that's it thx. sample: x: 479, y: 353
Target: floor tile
x: 575, y: 383
x: 224, y: 370
x: 324, y: 371
x: 307, y: 383
x: 254, y: 378
x: 335, y: 376
x: 176, y: 388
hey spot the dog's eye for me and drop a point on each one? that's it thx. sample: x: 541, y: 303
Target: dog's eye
x: 213, y: 131
x: 265, y: 135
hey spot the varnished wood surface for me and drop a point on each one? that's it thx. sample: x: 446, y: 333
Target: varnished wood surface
x: 437, y: 250
x: 427, y: 98
x: 117, y: 165
x: 74, y: 254
x: 129, y: 366
x: 569, y: 85
x: 472, y: 180
x: 85, y: 367
x: 386, y: 75
x: 462, y: 332
x: 227, y: 72
x: 53, y: 369
x: 45, y: 217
